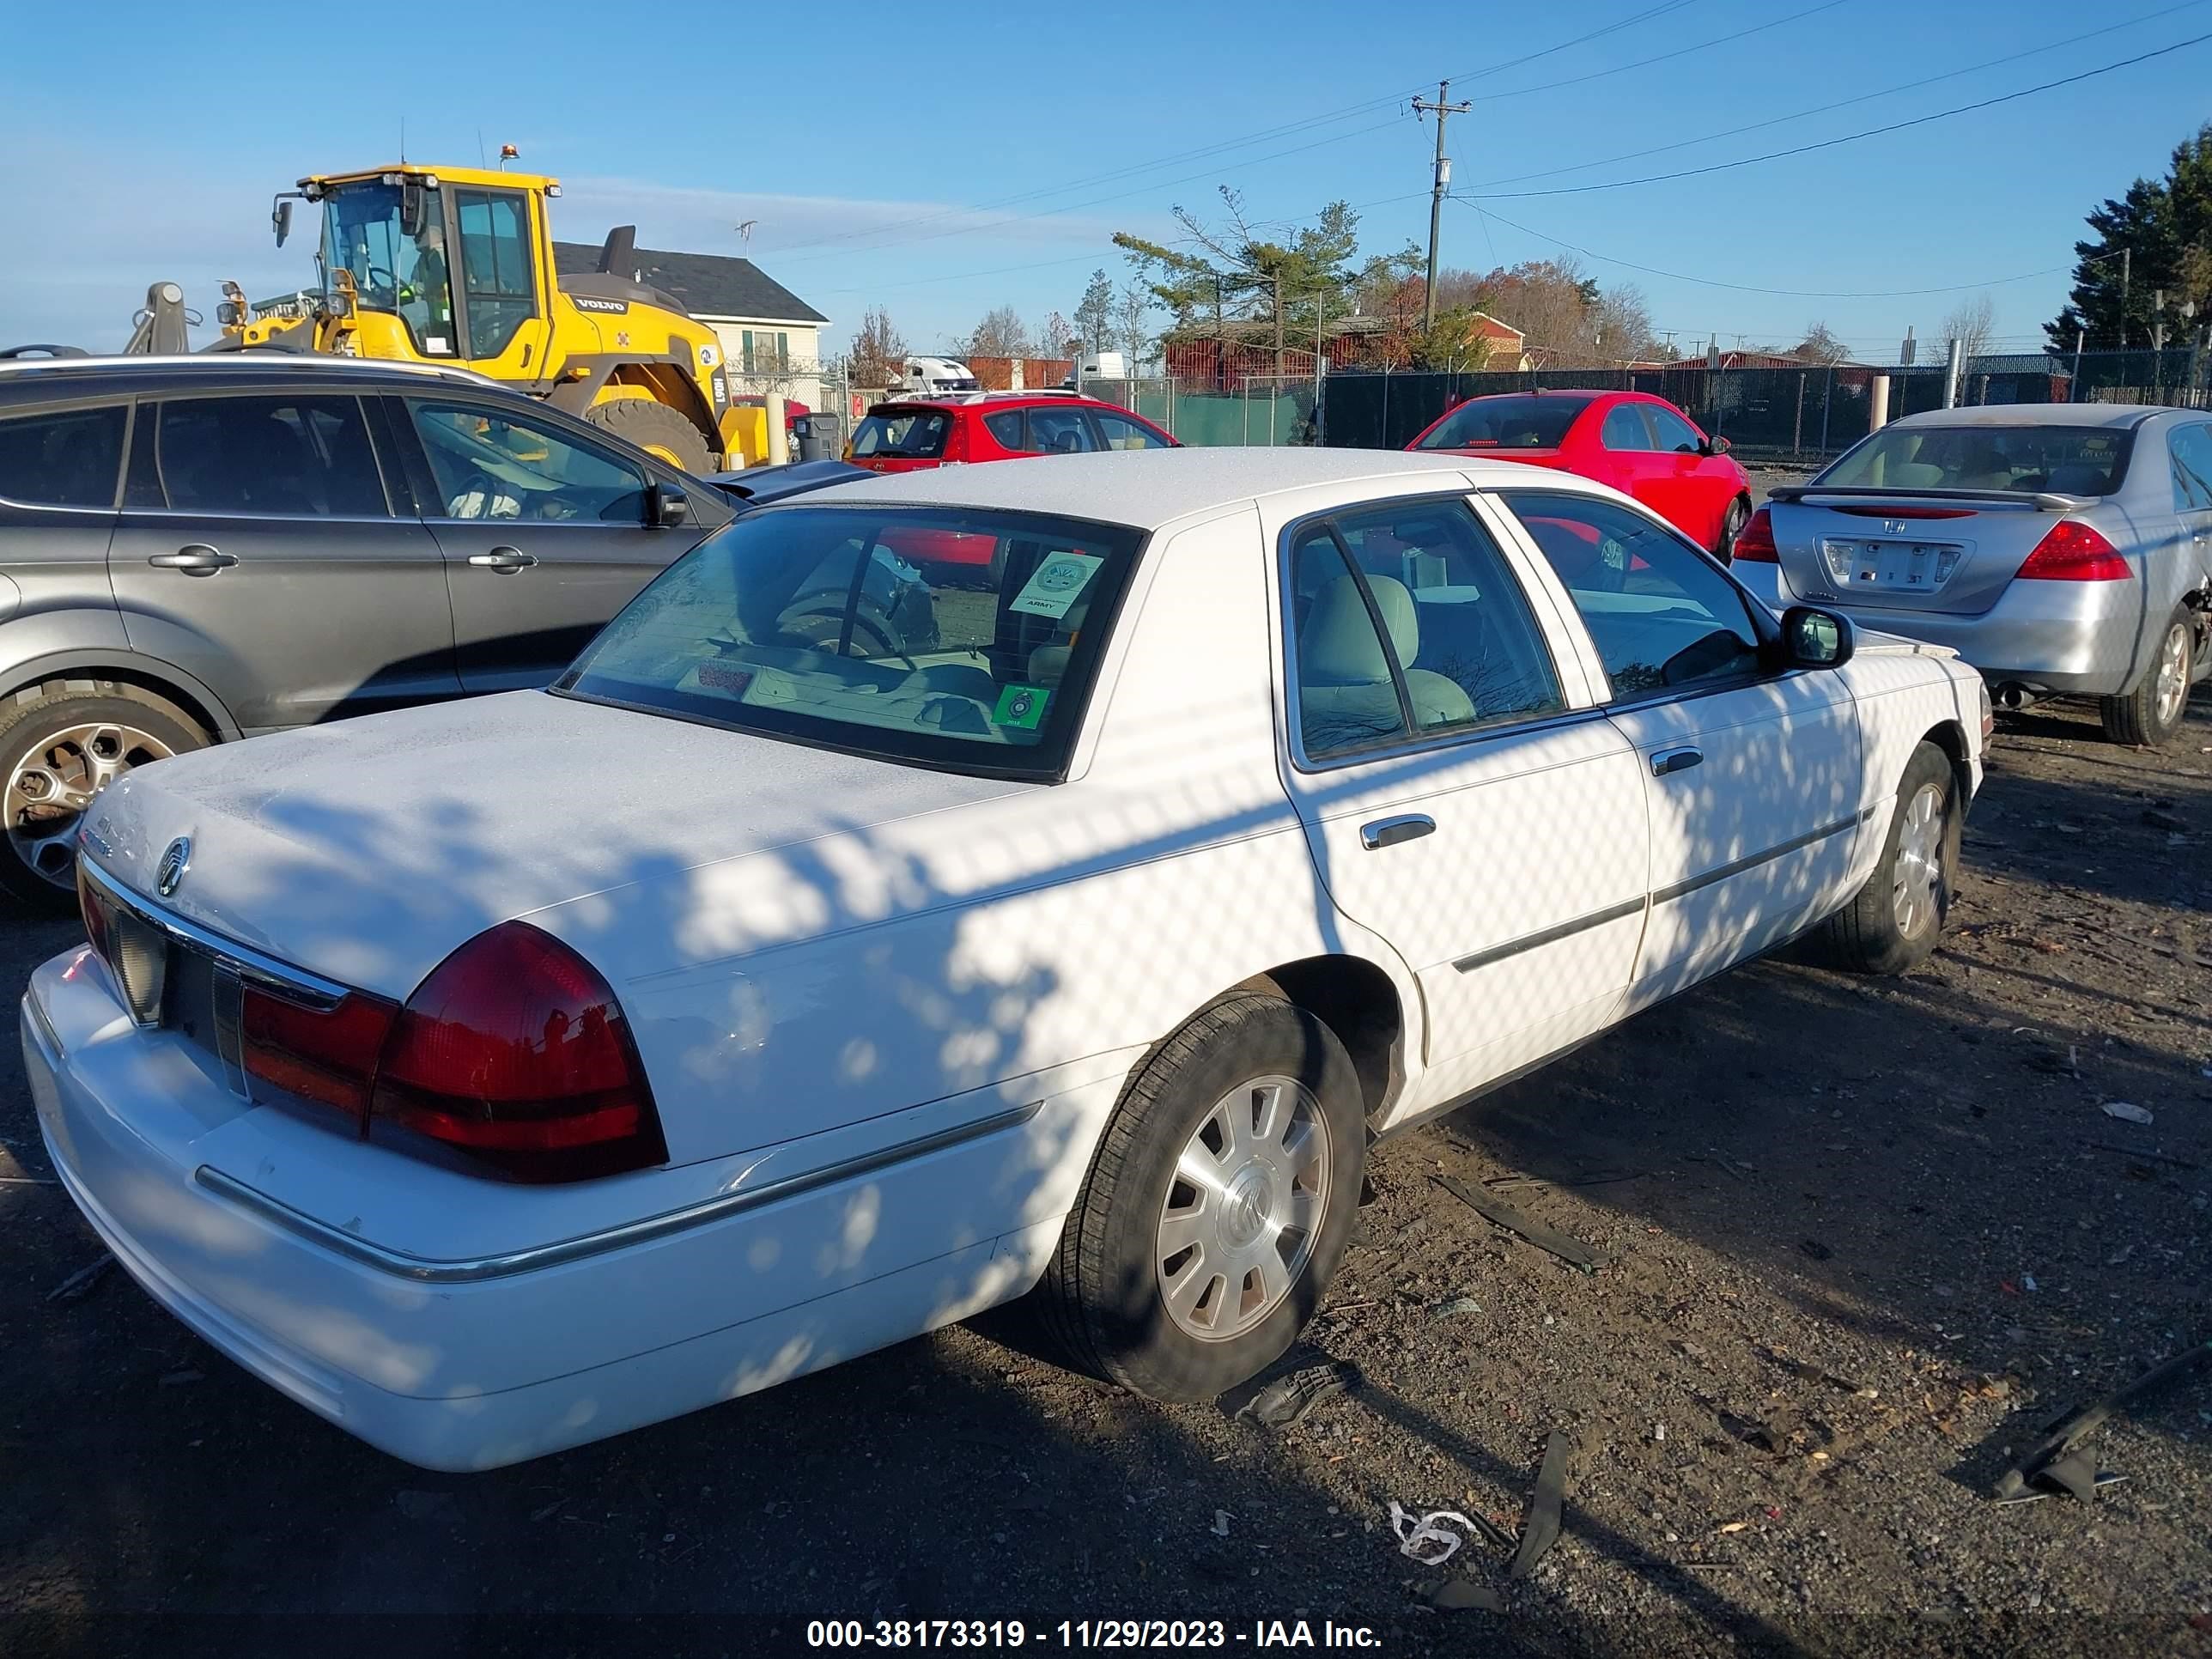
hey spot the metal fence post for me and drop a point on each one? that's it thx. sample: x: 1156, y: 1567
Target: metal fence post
x: 1797, y: 432
x: 1383, y: 432
x: 1827, y: 403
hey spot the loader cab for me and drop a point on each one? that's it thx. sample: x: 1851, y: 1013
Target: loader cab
x: 441, y: 268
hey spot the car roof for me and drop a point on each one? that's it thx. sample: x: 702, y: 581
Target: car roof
x: 1029, y: 399
x: 2112, y: 415
x: 1146, y: 488
x: 31, y: 378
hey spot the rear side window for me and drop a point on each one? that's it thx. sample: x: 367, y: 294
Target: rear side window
x: 1006, y: 427
x: 1060, y: 432
x: 1624, y: 428
x: 67, y: 459
x: 2191, y: 447
x: 287, y: 456
x: 908, y: 434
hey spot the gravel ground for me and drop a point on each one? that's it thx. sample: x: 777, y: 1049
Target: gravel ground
x: 1857, y: 1239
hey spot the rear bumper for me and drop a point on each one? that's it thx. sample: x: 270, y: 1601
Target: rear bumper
x: 2078, y: 638
x: 474, y: 1372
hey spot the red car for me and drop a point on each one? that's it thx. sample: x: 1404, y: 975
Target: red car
x: 993, y: 426
x: 1641, y: 444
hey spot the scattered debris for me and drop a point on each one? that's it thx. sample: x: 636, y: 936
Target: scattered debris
x: 1287, y: 1398
x: 1458, y: 1595
x: 1572, y: 1251
x: 1423, y: 1539
x: 2047, y: 1461
x: 1814, y: 1248
x: 2126, y: 1110
x: 178, y: 1379
x: 79, y: 1285
x: 1810, y: 1373
x: 2152, y: 1157
x: 1221, y: 1520
x: 1454, y: 1308
x: 1541, y: 1530
x: 547, y: 1511
x: 2167, y: 821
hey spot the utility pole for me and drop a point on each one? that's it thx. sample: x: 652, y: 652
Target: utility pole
x: 1443, y: 111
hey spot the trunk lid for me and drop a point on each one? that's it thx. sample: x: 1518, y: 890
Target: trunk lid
x: 366, y: 850
x: 1950, y: 551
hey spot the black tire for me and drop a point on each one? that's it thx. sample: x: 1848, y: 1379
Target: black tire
x: 1102, y: 1300
x: 2136, y: 718
x: 655, y: 428
x: 1866, y: 936
x: 39, y: 715
x: 1732, y: 523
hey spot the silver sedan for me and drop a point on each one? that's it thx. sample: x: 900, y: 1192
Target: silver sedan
x: 2064, y: 549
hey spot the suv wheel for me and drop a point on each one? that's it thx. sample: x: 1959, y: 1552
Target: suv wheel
x: 1217, y: 1205
x: 63, y: 742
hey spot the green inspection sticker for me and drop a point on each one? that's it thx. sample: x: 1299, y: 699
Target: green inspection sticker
x: 1022, y: 707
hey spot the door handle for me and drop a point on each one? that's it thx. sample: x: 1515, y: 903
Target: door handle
x: 195, y: 559
x: 1388, y: 832
x: 1676, y: 760
x: 505, y: 560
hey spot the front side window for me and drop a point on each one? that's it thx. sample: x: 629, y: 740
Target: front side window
x: 495, y: 275
x: 1624, y: 428
x: 1060, y: 432
x: 2190, y: 449
x: 1532, y: 421
x: 287, y: 456
x: 491, y: 466
x: 1675, y: 433
x: 394, y: 269
x: 1661, y: 616
x: 902, y: 434
x: 962, y: 638
x: 67, y: 459
x: 1414, y: 599
x: 1122, y: 433
x: 2072, y: 460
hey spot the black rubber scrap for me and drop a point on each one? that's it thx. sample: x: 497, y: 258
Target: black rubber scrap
x: 1287, y: 1398
x: 1541, y: 1530
x: 1572, y: 1251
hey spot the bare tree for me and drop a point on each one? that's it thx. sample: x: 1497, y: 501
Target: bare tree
x: 1972, y: 324
x: 1057, y: 338
x: 1568, y: 319
x: 1000, y: 334
x: 878, y: 350
x: 1132, y: 312
x: 1819, y: 346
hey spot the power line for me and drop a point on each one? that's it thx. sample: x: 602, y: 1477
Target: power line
x: 1729, y: 39
x: 1854, y: 137
x: 1841, y: 103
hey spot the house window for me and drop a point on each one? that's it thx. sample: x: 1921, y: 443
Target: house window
x: 766, y: 352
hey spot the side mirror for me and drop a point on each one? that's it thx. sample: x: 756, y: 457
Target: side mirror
x: 667, y: 506
x: 1812, y: 638
x: 410, y: 208
x: 1716, y: 445
x: 280, y: 217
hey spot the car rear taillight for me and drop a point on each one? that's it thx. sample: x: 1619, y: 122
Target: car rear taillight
x: 956, y: 443
x: 515, y: 1050
x: 1755, y: 543
x: 2072, y: 551
x: 326, y: 1055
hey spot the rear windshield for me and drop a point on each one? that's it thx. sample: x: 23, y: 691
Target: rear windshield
x: 2073, y: 460
x: 1507, y: 423
x: 953, y: 637
x: 918, y: 434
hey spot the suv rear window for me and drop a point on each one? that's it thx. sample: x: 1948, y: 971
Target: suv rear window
x: 70, y: 458
x: 1507, y: 424
x: 910, y: 433
x: 2073, y: 460
x: 959, y: 638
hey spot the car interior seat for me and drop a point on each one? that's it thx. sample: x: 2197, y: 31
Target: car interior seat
x: 1345, y: 691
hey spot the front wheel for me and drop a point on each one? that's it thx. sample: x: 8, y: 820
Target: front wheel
x: 2150, y: 716
x: 1217, y: 1205
x: 1892, y: 925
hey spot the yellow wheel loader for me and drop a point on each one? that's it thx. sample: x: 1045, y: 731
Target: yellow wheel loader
x: 455, y: 265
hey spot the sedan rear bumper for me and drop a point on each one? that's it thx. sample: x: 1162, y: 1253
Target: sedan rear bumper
x: 2052, y: 637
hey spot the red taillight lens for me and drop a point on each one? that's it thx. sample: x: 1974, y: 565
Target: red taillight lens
x: 325, y: 1055
x: 2074, y: 552
x: 515, y: 1049
x: 1755, y: 543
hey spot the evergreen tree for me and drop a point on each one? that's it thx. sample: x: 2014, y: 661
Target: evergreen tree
x: 2165, y: 227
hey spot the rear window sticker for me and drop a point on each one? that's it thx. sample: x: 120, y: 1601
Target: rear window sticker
x: 1022, y: 706
x: 1058, y: 583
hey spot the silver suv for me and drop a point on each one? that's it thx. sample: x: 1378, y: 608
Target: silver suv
x: 195, y: 549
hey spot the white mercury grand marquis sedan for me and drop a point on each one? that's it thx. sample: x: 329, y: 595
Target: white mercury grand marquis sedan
x: 945, y: 888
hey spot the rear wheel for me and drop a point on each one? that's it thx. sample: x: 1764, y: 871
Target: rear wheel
x: 1891, y: 925
x: 1732, y: 523
x: 63, y: 743
x: 656, y: 429
x: 1217, y: 1207
x: 2150, y: 714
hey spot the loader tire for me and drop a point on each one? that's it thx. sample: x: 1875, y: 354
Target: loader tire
x: 660, y: 431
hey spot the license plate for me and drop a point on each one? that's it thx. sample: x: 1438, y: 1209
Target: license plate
x: 1909, y: 566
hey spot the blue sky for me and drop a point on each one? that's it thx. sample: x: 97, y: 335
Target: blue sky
x: 941, y: 160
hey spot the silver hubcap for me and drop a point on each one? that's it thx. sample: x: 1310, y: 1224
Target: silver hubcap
x: 2172, y: 674
x: 50, y: 786
x: 1919, y: 862
x: 1243, y: 1209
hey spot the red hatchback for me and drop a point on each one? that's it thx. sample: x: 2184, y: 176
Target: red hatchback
x: 1641, y: 444
x: 993, y: 426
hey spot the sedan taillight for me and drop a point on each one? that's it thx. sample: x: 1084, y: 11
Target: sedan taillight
x: 1755, y: 543
x: 2071, y: 551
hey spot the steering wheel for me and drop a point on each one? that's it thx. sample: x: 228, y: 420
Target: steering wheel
x: 378, y: 277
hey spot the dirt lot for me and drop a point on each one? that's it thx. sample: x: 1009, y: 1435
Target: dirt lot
x: 1857, y: 1240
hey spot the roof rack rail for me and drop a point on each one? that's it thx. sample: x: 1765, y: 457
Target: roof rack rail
x: 258, y: 358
